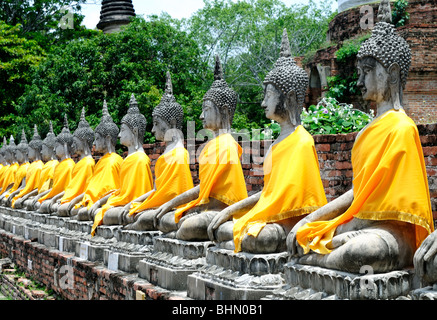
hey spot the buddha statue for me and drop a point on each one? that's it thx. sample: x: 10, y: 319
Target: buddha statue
x: 172, y: 171
x: 45, y: 183
x: 62, y: 174
x: 4, y: 162
x: 221, y: 176
x: 106, y: 175
x: 260, y: 223
x: 34, y: 171
x: 9, y: 174
x: 21, y: 155
x: 135, y: 172
x: 83, y: 138
x: 386, y: 215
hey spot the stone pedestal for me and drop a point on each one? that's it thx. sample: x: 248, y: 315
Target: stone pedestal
x: 172, y: 261
x: 130, y: 248
x: 237, y: 276
x: 427, y: 293
x: 315, y: 283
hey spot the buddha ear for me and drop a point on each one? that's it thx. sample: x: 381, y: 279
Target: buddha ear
x: 291, y: 107
x: 394, y: 72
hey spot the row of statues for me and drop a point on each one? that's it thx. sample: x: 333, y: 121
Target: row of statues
x: 385, y: 221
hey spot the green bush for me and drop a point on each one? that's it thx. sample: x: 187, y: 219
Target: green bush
x: 331, y: 117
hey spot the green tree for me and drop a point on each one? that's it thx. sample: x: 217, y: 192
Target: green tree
x: 18, y: 57
x: 84, y: 72
x: 247, y: 36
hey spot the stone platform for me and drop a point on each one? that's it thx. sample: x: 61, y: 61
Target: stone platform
x: 315, y: 283
x: 172, y: 261
x: 237, y: 276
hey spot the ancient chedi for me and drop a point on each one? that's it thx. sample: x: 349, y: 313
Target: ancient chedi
x: 115, y: 14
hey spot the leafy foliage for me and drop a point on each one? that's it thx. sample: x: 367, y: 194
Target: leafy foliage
x: 399, y: 13
x: 113, y: 66
x: 331, y: 117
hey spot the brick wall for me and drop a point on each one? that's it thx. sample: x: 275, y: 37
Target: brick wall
x: 89, y: 281
x: 334, y: 152
x: 420, y: 95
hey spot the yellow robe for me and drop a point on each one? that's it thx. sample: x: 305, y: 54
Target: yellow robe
x: 3, y: 171
x: 105, y: 179
x: 173, y: 177
x: 292, y: 186
x: 47, y: 176
x: 135, y: 180
x: 220, y: 173
x: 62, y: 177
x: 18, y: 179
x: 32, y: 179
x: 390, y: 182
x: 9, y: 176
x: 80, y: 177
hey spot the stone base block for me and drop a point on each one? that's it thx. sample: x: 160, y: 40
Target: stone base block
x: 427, y: 293
x: 342, y: 285
x: 171, y: 261
x: 89, y: 251
x: 122, y: 261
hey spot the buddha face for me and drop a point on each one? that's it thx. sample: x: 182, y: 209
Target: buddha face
x: 211, y: 117
x: 46, y: 153
x: 160, y: 128
x: 77, y: 146
x: 373, y: 80
x: 99, y: 143
x: 273, y: 103
x: 19, y: 156
x: 31, y: 153
x: 127, y: 137
x: 59, y: 150
x: 9, y: 157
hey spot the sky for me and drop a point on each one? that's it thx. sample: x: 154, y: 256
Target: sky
x: 176, y: 8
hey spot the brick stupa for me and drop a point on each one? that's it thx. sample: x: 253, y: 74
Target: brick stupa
x: 114, y: 14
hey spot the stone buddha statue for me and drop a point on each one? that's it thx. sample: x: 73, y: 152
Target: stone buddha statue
x: 260, y: 223
x: 172, y: 171
x: 21, y: 156
x: 34, y: 171
x: 380, y: 222
x: 221, y: 176
x: 135, y: 172
x: 62, y: 174
x: 106, y: 175
x: 4, y: 162
x: 45, y: 183
x: 83, y: 138
x: 9, y: 175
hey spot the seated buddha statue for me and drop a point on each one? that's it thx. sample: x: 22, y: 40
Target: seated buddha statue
x: 21, y: 155
x: 4, y: 164
x: 172, y: 170
x: 187, y: 216
x: 83, y: 138
x: 293, y: 187
x: 35, y: 167
x: 62, y: 173
x: 386, y: 215
x: 30, y: 200
x: 9, y: 174
x: 135, y: 172
x: 106, y: 174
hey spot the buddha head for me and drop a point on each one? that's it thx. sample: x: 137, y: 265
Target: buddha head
x: 106, y: 133
x: 10, y: 151
x: 219, y: 102
x: 64, y: 141
x: 83, y: 136
x: 22, y: 149
x: 285, y: 87
x: 35, y: 145
x: 133, y: 126
x: 383, y: 61
x: 168, y: 115
x: 48, y: 145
